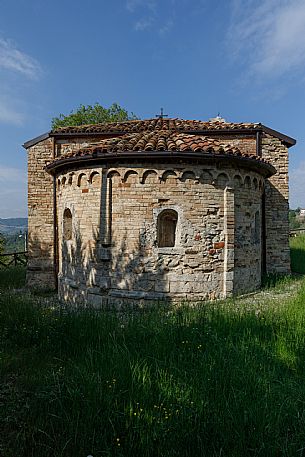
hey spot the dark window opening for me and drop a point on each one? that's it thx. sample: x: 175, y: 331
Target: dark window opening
x: 67, y: 226
x: 167, y: 222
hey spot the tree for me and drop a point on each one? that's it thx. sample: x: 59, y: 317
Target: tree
x: 93, y: 115
x: 294, y: 223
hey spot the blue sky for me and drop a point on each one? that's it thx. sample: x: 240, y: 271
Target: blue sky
x: 242, y: 58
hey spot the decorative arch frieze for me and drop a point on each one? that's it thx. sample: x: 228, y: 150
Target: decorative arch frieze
x: 188, y: 175
x: 222, y: 180
x: 131, y: 176
x: 237, y: 181
x: 70, y: 179
x: 206, y: 177
x: 149, y: 176
x: 113, y: 172
x: 81, y: 179
x: 247, y: 182
x: 95, y: 179
x: 168, y: 175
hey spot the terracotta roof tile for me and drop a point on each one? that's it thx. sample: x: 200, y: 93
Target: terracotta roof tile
x: 179, y: 125
x: 150, y: 143
x: 159, y: 140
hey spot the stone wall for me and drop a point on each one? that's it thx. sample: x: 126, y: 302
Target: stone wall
x: 248, y: 233
x: 113, y: 254
x: 277, y: 207
x: 40, y: 271
x: 115, y: 211
x: 245, y: 143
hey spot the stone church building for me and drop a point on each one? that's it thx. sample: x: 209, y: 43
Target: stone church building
x: 158, y: 209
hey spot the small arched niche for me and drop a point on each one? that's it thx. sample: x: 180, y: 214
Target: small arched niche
x: 67, y: 225
x: 81, y: 180
x: 166, y: 228
x: 95, y: 179
x: 131, y: 176
x: 222, y: 180
x: 150, y: 177
x: 247, y: 182
x: 188, y: 177
x: 169, y: 177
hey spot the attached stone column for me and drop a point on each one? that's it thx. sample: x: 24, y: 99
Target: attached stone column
x: 104, y: 251
x: 229, y: 224
x: 40, y: 270
x: 106, y: 209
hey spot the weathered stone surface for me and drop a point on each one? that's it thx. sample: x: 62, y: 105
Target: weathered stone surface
x: 113, y: 254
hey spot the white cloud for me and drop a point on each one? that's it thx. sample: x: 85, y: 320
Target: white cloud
x: 13, y: 191
x: 297, y: 186
x: 132, y: 5
x: 268, y: 35
x: 166, y: 27
x: 9, y: 115
x: 14, y: 60
x: 150, y: 15
x: 143, y: 24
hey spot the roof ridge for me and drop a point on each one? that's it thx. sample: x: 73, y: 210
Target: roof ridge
x: 154, y: 124
x: 174, y: 123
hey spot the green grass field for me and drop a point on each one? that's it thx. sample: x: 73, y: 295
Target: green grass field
x: 221, y: 379
x: 297, y: 247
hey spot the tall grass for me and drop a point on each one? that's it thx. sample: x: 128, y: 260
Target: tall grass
x: 12, y: 277
x: 215, y: 380
x: 219, y: 379
x: 297, y: 249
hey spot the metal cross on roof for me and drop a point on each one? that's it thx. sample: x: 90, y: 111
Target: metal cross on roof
x: 161, y: 115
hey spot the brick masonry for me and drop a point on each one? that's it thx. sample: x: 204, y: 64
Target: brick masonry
x: 113, y: 255
x: 40, y: 271
x: 114, y: 252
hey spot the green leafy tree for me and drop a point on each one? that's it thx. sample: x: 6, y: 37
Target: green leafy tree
x: 93, y: 114
x: 294, y: 223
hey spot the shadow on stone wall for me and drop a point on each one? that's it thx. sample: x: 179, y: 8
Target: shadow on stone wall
x: 40, y: 269
x: 277, y: 231
x: 97, y: 274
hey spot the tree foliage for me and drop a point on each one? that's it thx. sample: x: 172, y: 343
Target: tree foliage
x: 2, y: 243
x: 93, y: 114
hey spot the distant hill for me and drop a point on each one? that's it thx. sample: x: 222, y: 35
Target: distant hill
x: 13, y: 225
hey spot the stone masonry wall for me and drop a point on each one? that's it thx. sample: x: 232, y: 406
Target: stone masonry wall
x: 40, y: 271
x: 113, y: 254
x: 98, y: 214
x: 248, y: 232
x: 277, y: 207
x: 245, y: 143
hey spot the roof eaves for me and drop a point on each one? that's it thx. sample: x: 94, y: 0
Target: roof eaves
x: 85, y: 134
x: 286, y: 139
x: 262, y: 167
x: 37, y: 139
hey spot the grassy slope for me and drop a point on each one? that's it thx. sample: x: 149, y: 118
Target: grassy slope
x: 224, y: 379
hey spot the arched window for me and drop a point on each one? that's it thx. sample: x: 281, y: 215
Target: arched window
x: 67, y: 225
x: 166, y: 229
